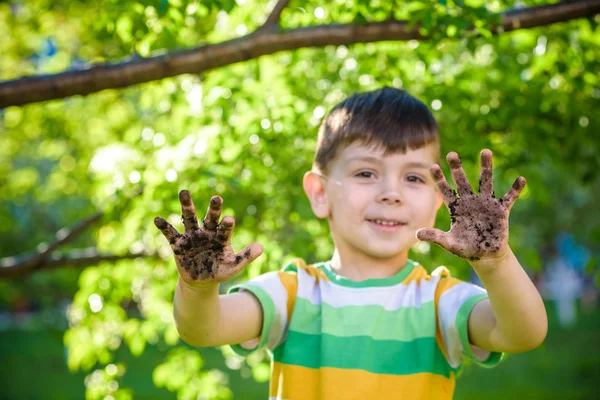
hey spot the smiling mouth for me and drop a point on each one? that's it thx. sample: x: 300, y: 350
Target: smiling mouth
x: 386, y: 222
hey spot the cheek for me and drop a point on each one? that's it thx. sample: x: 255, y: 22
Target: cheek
x: 433, y: 211
x: 357, y: 199
x: 349, y: 203
x: 427, y: 207
x: 431, y: 221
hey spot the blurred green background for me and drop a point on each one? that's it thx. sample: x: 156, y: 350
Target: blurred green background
x: 103, y: 329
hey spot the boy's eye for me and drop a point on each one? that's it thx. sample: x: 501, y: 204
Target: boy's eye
x: 365, y: 174
x: 415, y: 179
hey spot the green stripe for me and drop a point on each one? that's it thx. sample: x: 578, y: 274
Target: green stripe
x: 462, y: 325
x: 362, y: 352
x: 268, y: 309
x: 373, y: 282
x: 404, y: 324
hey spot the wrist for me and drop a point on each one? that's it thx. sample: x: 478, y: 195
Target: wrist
x: 199, y: 288
x: 489, y: 264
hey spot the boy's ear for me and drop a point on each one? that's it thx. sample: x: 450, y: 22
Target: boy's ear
x: 315, y: 191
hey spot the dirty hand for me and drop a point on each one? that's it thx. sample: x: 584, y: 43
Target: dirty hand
x: 479, y: 227
x: 204, y: 254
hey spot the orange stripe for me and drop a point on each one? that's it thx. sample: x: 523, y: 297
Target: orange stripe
x: 416, y: 274
x: 289, y: 280
x: 445, y: 284
x: 293, y: 382
x: 310, y: 269
x: 276, y: 380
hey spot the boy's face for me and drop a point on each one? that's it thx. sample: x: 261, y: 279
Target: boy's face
x: 376, y: 203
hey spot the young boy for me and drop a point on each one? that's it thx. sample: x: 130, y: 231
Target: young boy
x: 369, y: 323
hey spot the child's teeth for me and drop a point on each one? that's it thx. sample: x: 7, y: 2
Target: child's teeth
x: 385, y: 222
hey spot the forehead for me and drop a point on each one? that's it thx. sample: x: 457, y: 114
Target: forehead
x: 357, y: 152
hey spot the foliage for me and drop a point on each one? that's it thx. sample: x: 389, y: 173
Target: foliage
x: 247, y: 131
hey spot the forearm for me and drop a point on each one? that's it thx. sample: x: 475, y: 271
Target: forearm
x: 196, y: 311
x: 520, y: 321
x: 204, y: 318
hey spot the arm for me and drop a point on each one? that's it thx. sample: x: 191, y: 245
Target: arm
x: 204, y: 258
x: 221, y: 320
x: 514, y: 318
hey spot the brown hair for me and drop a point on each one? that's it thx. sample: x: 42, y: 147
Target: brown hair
x: 387, y: 117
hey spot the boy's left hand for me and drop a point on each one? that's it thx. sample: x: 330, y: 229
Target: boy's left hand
x: 479, y: 227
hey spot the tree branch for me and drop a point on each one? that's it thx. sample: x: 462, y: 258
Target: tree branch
x: 273, y: 18
x: 30, y: 262
x: 11, y: 267
x: 65, y: 235
x: 110, y: 76
x: 42, y: 258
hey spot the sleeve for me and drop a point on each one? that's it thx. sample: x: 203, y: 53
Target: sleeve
x: 454, y: 301
x: 274, y: 291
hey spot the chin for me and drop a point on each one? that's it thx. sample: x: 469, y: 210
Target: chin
x: 385, y: 253
x: 389, y: 251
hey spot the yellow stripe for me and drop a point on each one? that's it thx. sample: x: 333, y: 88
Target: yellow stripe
x: 310, y: 270
x: 276, y: 380
x: 289, y: 280
x: 416, y: 274
x: 293, y: 382
x: 444, y: 285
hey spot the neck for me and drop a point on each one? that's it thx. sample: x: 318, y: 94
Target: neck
x: 359, y: 266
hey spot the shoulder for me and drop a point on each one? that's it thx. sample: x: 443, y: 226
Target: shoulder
x: 293, y: 273
x: 452, y: 291
x: 301, y: 271
x: 446, y: 280
x: 440, y: 281
x: 440, y: 277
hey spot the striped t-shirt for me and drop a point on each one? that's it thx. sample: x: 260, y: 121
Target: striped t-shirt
x: 402, y: 337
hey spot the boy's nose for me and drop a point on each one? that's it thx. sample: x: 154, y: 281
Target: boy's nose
x: 391, y: 197
x: 390, y: 192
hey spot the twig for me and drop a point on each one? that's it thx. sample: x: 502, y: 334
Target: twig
x: 273, y: 18
x: 30, y: 262
x: 65, y: 235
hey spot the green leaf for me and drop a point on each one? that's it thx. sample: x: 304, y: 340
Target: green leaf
x: 124, y: 28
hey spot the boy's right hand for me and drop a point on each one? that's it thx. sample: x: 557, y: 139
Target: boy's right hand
x: 204, y: 254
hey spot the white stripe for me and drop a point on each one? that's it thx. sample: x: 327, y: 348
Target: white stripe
x: 271, y: 283
x: 391, y: 298
x: 450, y: 302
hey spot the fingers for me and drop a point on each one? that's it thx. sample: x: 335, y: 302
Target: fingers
x: 188, y: 211
x: 513, y: 194
x: 246, y: 256
x: 224, y: 230
x: 167, y: 229
x: 433, y: 235
x: 211, y: 220
x: 448, y: 193
x: 486, y: 182
x: 458, y: 174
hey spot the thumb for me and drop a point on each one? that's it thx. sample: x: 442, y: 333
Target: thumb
x: 433, y: 235
x: 246, y: 256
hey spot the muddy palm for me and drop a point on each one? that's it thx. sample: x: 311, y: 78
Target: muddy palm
x: 479, y: 223
x: 204, y: 254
